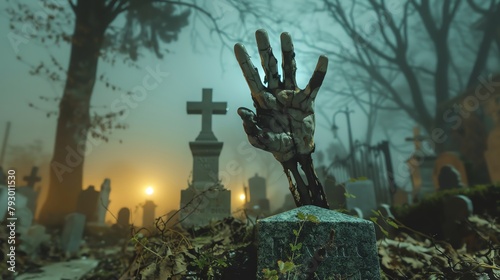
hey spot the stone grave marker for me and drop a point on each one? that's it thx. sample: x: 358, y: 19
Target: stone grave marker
x: 456, y: 211
x: 351, y: 255
x: 205, y: 199
x: 335, y: 194
x: 103, y: 201
x: 23, y: 214
x: 421, y: 165
x: 29, y: 190
x: 449, y: 178
x: 148, y: 214
x: 123, y: 219
x: 72, y: 233
x: 451, y: 159
x: 364, y: 196
x: 87, y: 204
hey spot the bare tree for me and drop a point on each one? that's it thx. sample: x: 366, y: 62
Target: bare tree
x: 96, y: 30
x: 410, y: 63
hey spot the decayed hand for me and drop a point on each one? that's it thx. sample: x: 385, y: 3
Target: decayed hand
x: 284, y: 120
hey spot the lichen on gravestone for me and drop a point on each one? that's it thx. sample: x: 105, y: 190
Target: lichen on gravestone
x: 352, y: 256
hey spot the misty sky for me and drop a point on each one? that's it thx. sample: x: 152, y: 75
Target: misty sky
x: 154, y: 149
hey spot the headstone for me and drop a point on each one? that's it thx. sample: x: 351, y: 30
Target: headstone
x: 348, y: 244
x: 29, y: 190
x: 335, y: 193
x: 451, y: 159
x: 361, y: 194
x: 258, y: 197
x: 123, y: 219
x: 23, y: 214
x: 87, y: 204
x: 103, y: 201
x: 449, y: 178
x: 205, y: 199
x: 31, y: 195
x: 456, y: 210
x: 421, y: 167
x: 72, y: 233
x: 148, y: 215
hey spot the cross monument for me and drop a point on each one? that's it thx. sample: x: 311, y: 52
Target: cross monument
x: 205, y: 199
x: 206, y: 108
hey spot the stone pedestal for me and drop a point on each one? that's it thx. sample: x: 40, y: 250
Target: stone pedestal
x: 353, y: 254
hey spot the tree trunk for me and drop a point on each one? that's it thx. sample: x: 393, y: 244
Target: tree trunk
x: 66, y: 172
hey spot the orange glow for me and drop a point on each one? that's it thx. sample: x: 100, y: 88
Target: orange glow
x: 149, y: 190
x: 242, y: 197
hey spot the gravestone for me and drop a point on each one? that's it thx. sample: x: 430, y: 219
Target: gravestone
x: 335, y: 193
x: 205, y: 199
x: 449, y: 178
x: 87, y: 204
x: 364, y: 196
x: 23, y: 214
x: 351, y: 255
x: 123, y: 219
x: 451, y: 159
x: 148, y: 214
x: 103, y: 201
x: 258, y: 195
x: 29, y: 190
x: 456, y: 211
x: 72, y: 233
x: 421, y: 166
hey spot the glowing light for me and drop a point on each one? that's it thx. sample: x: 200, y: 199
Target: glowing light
x: 242, y: 197
x: 149, y: 190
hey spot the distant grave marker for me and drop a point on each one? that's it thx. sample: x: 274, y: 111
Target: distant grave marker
x: 72, y: 233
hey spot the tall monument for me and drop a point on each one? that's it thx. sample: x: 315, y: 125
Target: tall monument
x: 205, y: 199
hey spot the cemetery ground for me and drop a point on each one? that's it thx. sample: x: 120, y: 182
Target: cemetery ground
x: 422, y: 241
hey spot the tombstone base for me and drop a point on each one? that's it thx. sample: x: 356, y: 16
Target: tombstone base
x: 352, y: 256
x: 200, y: 210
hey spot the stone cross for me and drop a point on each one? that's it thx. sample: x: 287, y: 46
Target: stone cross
x: 206, y: 108
x: 32, y: 178
x: 417, y: 139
